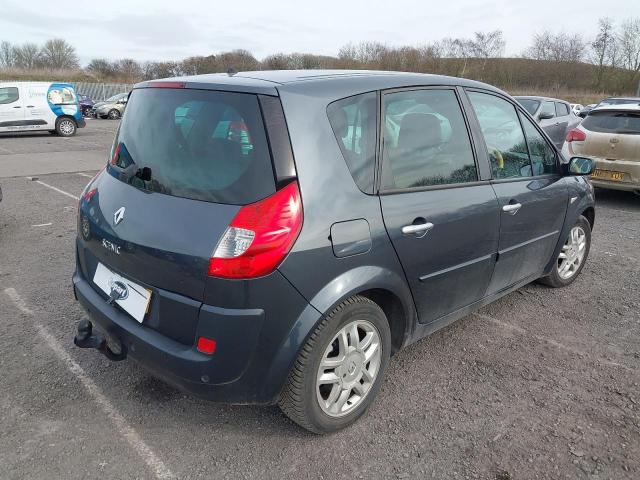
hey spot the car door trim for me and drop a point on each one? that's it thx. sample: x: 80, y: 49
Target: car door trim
x: 528, y: 242
x: 484, y: 258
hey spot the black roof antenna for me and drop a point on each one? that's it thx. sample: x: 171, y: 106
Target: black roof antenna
x: 231, y: 71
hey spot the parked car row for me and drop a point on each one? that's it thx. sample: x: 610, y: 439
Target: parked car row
x: 555, y: 117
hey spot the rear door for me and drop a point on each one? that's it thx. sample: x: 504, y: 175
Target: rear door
x: 564, y: 119
x: 440, y: 214
x: 11, y: 108
x: 531, y: 192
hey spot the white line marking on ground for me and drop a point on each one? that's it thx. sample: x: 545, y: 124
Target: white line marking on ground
x: 82, y: 174
x: 42, y: 224
x: 552, y: 342
x: 56, y: 189
x: 150, y: 458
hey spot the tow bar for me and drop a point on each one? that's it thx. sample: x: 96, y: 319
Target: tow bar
x: 85, y: 339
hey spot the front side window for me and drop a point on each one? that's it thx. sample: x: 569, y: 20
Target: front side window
x: 548, y: 110
x: 8, y: 95
x: 353, y: 121
x: 543, y: 157
x: 425, y: 140
x: 503, y: 136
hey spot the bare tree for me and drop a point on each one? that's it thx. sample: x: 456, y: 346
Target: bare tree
x: 603, y: 46
x: 57, y: 53
x: 27, y: 56
x: 629, y: 39
x: 7, y: 55
x: 129, y: 70
x: 101, y: 68
x: 487, y: 45
x: 560, y: 47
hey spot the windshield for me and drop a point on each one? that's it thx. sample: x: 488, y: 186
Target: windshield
x: 198, y: 144
x: 531, y: 106
x: 613, y: 122
x: 117, y: 97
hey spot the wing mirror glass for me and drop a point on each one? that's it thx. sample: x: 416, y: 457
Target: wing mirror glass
x: 545, y: 115
x: 581, y: 166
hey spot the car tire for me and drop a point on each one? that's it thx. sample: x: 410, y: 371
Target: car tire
x: 66, y: 127
x: 576, y: 248
x: 113, y: 114
x: 305, y: 388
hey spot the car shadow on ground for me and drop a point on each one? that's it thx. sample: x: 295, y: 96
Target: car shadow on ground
x: 618, y: 199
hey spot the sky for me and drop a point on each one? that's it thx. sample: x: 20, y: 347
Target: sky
x: 161, y: 30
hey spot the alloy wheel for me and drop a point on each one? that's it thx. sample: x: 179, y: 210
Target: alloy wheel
x: 572, y: 253
x: 349, y: 368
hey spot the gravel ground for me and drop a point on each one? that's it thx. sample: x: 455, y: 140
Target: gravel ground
x: 541, y: 384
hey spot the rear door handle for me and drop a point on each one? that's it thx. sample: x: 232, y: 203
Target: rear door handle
x: 512, y: 208
x: 17, y: 107
x: 419, y: 230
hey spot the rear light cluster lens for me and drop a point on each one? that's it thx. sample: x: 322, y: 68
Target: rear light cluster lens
x: 259, y: 236
x: 576, y: 135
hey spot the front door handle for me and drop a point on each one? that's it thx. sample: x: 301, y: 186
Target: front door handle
x: 419, y: 230
x: 511, y: 208
x: 30, y: 106
x: 17, y: 107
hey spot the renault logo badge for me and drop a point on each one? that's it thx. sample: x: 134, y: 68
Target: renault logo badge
x: 118, y: 216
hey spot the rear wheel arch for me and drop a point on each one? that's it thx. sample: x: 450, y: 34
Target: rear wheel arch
x: 393, y: 309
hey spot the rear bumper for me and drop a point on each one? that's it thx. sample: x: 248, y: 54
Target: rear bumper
x: 238, y: 372
x: 631, y: 169
x: 81, y: 122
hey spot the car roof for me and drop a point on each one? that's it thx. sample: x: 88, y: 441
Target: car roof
x: 270, y: 82
x: 632, y: 99
x: 536, y: 97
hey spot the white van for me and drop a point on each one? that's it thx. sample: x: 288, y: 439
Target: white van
x: 33, y: 106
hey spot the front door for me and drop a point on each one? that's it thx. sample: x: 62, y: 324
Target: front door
x: 442, y: 219
x: 531, y: 192
x: 11, y: 109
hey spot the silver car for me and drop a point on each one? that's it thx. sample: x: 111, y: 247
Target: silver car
x: 554, y: 116
x: 112, y: 108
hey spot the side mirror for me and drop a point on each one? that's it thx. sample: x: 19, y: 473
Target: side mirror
x: 545, y: 115
x: 581, y: 166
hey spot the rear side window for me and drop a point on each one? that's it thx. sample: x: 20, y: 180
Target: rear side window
x: 562, y: 109
x: 613, y: 122
x: 353, y: 121
x: 8, y: 95
x: 198, y: 144
x: 426, y: 141
x: 503, y: 136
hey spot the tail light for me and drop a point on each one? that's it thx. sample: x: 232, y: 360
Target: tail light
x: 576, y: 135
x: 259, y: 236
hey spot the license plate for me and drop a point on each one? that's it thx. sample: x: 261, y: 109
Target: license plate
x: 133, y: 298
x: 608, y: 175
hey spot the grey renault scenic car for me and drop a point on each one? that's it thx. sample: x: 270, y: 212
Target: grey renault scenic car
x: 275, y: 237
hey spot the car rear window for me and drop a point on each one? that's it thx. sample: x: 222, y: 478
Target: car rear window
x: 613, y: 122
x: 198, y: 144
